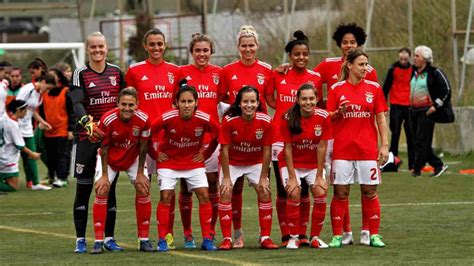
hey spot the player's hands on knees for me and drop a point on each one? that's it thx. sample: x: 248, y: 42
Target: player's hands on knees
x: 264, y: 186
x: 291, y: 186
x: 198, y: 157
x: 321, y: 183
x: 383, y: 155
x: 102, y: 186
x: 142, y: 184
x: 226, y: 186
x: 34, y: 155
x: 162, y: 157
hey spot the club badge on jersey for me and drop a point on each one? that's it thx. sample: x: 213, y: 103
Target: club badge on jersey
x: 318, y: 130
x: 369, y: 97
x: 198, y: 131
x: 260, y: 78
x: 113, y: 81
x: 215, y: 78
x: 171, y: 77
x: 136, y: 131
x: 259, y: 133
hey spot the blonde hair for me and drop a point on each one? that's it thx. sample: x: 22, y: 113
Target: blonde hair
x: 95, y: 34
x: 247, y: 31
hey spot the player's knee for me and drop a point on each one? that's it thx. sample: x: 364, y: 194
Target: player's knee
x: 341, y: 194
x: 318, y: 192
x: 295, y: 194
x: 225, y: 197
x: 265, y: 197
x: 369, y: 192
x: 166, y: 196
x: 202, y: 195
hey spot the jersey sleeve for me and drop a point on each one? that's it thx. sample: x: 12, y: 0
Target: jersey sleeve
x: 270, y: 87
x: 285, y: 131
x: 223, y: 82
x: 129, y: 80
x: 380, y: 103
x: 105, y: 129
x: 268, y: 135
x: 327, y: 129
x: 157, y: 126
x: 23, y: 94
x: 372, y: 75
x: 320, y: 69
x: 77, y: 94
x: 224, y: 135
x: 17, y: 138
x: 146, y: 131
x: 332, y: 104
x: 214, y: 128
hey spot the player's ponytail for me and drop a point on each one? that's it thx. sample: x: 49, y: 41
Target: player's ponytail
x: 184, y: 87
x: 234, y: 108
x: 300, y: 39
x: 293, y: 115
x: 351, y: 57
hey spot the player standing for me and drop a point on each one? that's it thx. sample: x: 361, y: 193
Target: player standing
x: 305, y: 131
x: 246, y: 140
x: 124, y: 146
x: 248, y: 71
x: 156, y: 82
x: 182, y: 155
x: 205, y: 77
x: 354, y: 104
x: 95, y: 87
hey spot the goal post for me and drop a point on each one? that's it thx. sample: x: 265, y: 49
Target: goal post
x: 77, y: 49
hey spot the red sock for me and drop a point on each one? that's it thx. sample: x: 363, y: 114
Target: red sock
x: 371, y: 209
x: 99, y: 212
x: 171, y: 219
x: 265, y: 211
x: 305, y: 207
x: 319, y: 213
x: 214, y: 198
x: 205, y: 217
x: 163, y: 218
x: 347, y: 227
x: 237, y: 204
x: 338, y: 210
x: 225, y: 218
x: 365, y: 218
x: 281, y: 212
x: 143, y: 215
x: 185, y: 209
x: 293, y: 216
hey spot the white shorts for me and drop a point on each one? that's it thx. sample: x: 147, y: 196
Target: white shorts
x: 364, y: 172
x: 277, y: 147
x: 252, y: 172
x: 112, y: 174
x: 195, y: 178
x: 150, y: 165
x: 309, y: 175
x: 212, y: 163
x: 329, y: 150
x: 222, y: 108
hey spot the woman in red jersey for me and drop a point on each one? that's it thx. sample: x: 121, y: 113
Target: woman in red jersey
x: 354, y: 104
x: 205, y: 77
x: 286, y: 87
x: 156, y: 82
x: 183, y: 144
x: 248, y: 70
x: 246, y: 144
x: 305, y: 131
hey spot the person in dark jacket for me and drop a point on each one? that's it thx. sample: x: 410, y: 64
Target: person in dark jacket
x: 396, y: 88
x: 430, y: 90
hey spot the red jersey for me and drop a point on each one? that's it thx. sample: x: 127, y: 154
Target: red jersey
x: 237, y: 75
x: 206, y: 82
x: 123, y: 138
x: 246, y: 138
x: 304, y: 145
x: 286, y: 87
x: 355, y: 134
x: 155, y: 84
x: 183, y: 138
x: 330, y: 70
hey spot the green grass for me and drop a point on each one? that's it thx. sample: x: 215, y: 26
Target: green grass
x: 37, y: 227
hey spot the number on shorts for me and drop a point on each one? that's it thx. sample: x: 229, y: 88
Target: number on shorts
x: 373, y: 175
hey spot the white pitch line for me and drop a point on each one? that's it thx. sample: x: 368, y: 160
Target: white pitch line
x: 408, y: 204
x: 177, y: 253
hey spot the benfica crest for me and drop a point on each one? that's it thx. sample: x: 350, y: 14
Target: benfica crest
x: 215, y: 78
x: 113, y: 81
x: 198, y: 131
x: 318, y: 130
x: 260, y: 78
x: 171, y: 77
x: 259, y: 133
x: 136, y: 131
x: 369, y: 97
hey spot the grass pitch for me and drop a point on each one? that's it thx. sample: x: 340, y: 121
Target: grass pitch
x: 424, y: 221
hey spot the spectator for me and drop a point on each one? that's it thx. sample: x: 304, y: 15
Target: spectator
x: 15, y: 84
x: 430, y: 89
x: 66, y: 69
x: 397, y: 87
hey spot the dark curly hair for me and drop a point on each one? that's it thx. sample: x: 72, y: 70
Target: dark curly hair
x: 343, y: 29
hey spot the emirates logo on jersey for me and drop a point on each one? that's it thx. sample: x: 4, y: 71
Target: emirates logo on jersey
x: 260, y: 78
x: 369, y: 97
x: 259, y: 133
x: 215, y: 78
x: 318, y: 130
x: 113, y: 81
x: 136, y: 131
x: 198, y: 131
x: 171, y: 77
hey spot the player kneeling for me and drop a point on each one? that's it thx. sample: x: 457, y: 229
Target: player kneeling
x: 246, y: 141
x: 181, y: 155
x: 124, y: 147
